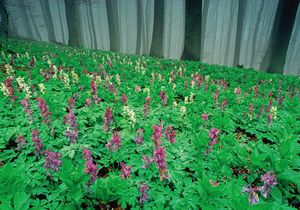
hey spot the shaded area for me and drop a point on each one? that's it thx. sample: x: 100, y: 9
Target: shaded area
x: 192, y: 41
x: 283, y: 27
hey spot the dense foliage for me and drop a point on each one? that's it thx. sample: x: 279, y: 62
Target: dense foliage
x: 88, y: 129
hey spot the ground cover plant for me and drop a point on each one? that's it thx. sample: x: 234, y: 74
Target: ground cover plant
x: 101, y: 130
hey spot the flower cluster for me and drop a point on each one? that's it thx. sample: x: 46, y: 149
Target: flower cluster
x: 91, y: 168
x: 213, y: 135
x: 205, y: 117
x: 27, y: 110
x: 94, y: 90
x: 269, y: 181
x: 24, y: 87
x: 38, y: 150
x: 21, y: 141
x: 147, y: 161
x: 144, y: 195
x: 163, y: 98
x: 156, y: 136
x: 125, y: 170
x: 44, y: 109
x: 146, y: 105
x: 124, y: 99
x: 224, y: 104
x: 115, y: 142
x: 170, y: 134
x: 52, y: 161
x: 140, y: 136
x: 160, y: 159
x: 7, y: 89
x: 108, y: 119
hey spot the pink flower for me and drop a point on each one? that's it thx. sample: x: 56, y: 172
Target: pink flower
x: 88, y: 102
x: 125, y: 170
x: 146, y: 105
x: 87, y: 154
x: 205, y: 117
x: 137, y: 89
x: 237, y: 91
x: 160, y: 159
x: 213, y: 134
x: 91, y: 169
x: 32, y: 62
x: 255, y: 91
x: 251, y: 109
x: 270, y: 119
x: 163, y: 98
x: 38, y: 150
x: 170, y: 134
x: 269, y: 180
x: 115, y: 143
x: 26, y: 106
x: 253, y: 197
x: 71, y: 103
x: 157, y: 133
x: 44, y: 109
x: 52, y: 161
x: 70, y: 119
x: 21, y: 141
x: 144, y: 196
x: 224, y: 104
x: 111, y: 87
x: 140, y: 136
x: 147, y: 161
x: 108, y: 118
x: 124, y: 99
x: 72, y: 135
x: 10, y: 88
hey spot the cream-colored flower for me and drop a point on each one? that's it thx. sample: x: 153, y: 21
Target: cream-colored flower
x: 173, y: 86
x: 98, y: 80
x: 130, y: 113
x: 5, y: 90
x: 118, y: 79
x: 192, y: 83
x: 207, y: 78
x: 146, y: 90
x: 42, y: 88
x: 192, y: 97
x: 183, y: 110
x: 66, y: 80
x: 49, y: 62
x: 75, y: 77
x: 175, y: 104
x: 186, y: 100
x: 274, y: 112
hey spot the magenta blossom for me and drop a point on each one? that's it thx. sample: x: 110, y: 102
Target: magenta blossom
x: 91, y: 169
x: 147, y: 161
x: 124, y: 99
x: 170, y: 134
x: 52, y: 161
x: 253, y: 196
x: 111, y: 87
x: 115, y: 143
x: 205, y: 117
x: 44, y: 109
x: 88, y: 102
x: 160, y: 159
x: 21, y: 141
x: 108, y: 118
x: 38, y: 150
x: 157, y: 133
x: 26, y: 106
x: 140, y: 136
x: 213, y: 134
x: 72, y: 135
x: 125, y: 170
x: 269, y: 180
x: 70, y: 119
x: 163, y: 98
x: 144, y: 195
x: 224, y: 104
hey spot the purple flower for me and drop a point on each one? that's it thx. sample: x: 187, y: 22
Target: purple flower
x: 253, y: 197
x: 140, y: 136
x: 224, y: 104
x: 269, y: 180
x: 205, y: 117
x: 44, y: 109
x: 147, y: 161
x: 70, y: 119
x: 108, y: 118
x: 157, y: 133
x: 251, y: 109
x: 94, y: 89
x: 144, y: 195
x: 160, y: 159
x: 170, y: 134
x: 269, y: 106
x: 88, y: 102
x: 270, y: 119
x: 163, y: 98
x: 111, y: 87
x: 26, y: 106
x: 124, y: 99
x: 125, y: 170
x: 21, y: 141
x: 38, y: 150
x: 52, y: 161
x: 255, y: 91
x: 72, y: 135
x: 10, y: 88
x: 91, y: 169
x: 213, y: 134
x: 115, y: 143
x: 87, y: 154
